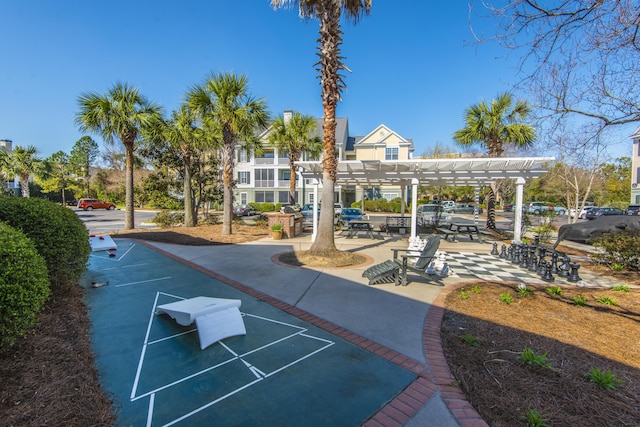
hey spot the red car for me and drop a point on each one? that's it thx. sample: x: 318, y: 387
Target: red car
x: 91, y: 204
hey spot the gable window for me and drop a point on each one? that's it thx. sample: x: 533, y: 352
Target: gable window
x: 244, y: 177
x: 391, y: 153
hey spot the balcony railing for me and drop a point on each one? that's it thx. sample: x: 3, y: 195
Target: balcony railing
x: 264, y: 160
x: 265, y: 183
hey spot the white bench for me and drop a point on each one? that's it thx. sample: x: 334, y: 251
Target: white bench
x: 216, y: 318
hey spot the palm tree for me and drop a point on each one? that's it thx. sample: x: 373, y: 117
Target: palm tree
x: 295, y: 136
x: 330, y: 64
x: 22, y: 162
x: 224, y: 105
x: 493, y: 126
x: 121, y: 114
x: 182, y: 133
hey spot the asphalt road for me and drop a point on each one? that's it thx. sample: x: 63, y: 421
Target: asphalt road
x: 104, y: 221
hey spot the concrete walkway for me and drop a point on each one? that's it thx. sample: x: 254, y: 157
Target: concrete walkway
x: 399, y: 323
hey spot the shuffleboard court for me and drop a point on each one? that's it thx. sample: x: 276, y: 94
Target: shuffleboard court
x: 283, y: 372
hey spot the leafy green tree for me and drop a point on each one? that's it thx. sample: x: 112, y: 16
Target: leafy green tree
x: 295, y: 136
x: 617, y: 181
x: 56, y: 174
x: 119, y: 114
x: 22, y: 162
x: 185, y: 137
x: 224, y: 105
x: 83, y: 154
x: 330, y: 65
x: 494, y: 126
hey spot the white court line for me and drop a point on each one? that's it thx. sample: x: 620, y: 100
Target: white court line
x: 142, y: 281
x: 152, y: 400
x: 125, y: 266
x: 172, y: 336
x: 144, y: 347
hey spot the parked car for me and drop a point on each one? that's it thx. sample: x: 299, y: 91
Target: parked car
x: 350, y: 214
x: 447, y: 204
x: 463, y: 208
x: 606, y: 211
x: 508, y: 207
x: 91, y: 204
x: 583, y: 211
x: 337, y: 208
x: 632, y: 210
x: 289, y: 208
x: 537, y: 208
x: 245, y: 210
x: 431, y: 214
x: 560, y: 210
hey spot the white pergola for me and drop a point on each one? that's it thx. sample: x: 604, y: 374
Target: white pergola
x: 474, y: 172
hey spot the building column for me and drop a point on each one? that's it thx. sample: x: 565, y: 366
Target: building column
x: 315, y: 210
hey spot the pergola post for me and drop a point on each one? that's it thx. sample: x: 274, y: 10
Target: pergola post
x: 517, y: 217
x: 315, y: 210
x: 414, y: 207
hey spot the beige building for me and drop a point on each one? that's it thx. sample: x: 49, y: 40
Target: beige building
x: 266, y: 178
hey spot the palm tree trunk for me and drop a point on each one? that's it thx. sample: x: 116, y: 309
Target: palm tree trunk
x: 330, y: 41
x: 292, y: 184
x: 491, y: 208
x: 24, y: 186
x: 189, y: 220
x: 128, y: 214
x: 227, y: 182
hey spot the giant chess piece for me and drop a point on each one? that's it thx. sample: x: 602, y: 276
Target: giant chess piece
x: 564, y: 268
x: 516, y: 255
x: 542, y: 266
x: 533, y: 263
x: 510, y: 252
x: 494, y: 250
x: 547, y: 276
x: 524, y: 262
x: 573, y: 276
x: 536, y: 240
x: 503, y: 251
x: 554, y: 262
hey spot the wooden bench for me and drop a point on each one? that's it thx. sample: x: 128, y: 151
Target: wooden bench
x: 399, y: 223
x: 382, y: 271
x: 448, y: 233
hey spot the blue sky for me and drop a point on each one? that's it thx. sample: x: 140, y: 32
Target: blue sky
x: 414, y: 65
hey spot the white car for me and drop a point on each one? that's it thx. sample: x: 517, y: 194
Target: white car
x: 583, y: 212
x: 337, y: 208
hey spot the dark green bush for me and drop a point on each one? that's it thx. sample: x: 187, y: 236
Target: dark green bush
x: 24, y: 284
x: 166, y: 219
x: 56, y: 231
x: 619, y: 248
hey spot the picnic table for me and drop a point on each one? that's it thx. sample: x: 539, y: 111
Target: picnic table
x: 457, y: 227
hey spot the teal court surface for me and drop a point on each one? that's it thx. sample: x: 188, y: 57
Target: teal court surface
x: 283, y: 372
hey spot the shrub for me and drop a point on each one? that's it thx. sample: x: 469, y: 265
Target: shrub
x: 166, y: 219
x: 620, y: 249
x: 24, y: 284
x: 57, y: 232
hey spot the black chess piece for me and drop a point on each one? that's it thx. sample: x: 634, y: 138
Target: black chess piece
x: 573, y: 275
x: 533, y: 263
x: 554, y: 262
x: 524, y: 262
x: 536, y: 240
x: 547, y: 276
x: 542, y: 266
x: 564, y: 268
x: 494, y: 250
x: 510, y: 252
x: 503, y: 251
x: 516, y: 255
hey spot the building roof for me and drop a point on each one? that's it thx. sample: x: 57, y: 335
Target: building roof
x: 445, y: 172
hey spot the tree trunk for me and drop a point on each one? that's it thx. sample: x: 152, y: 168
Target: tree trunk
x: 24, y: 186
x: 491, y: 209
x: 128, y: 214
x: 189, y: 217
x: 227, y: 182
x: 292, y: 184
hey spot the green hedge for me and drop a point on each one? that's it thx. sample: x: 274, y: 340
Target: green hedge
x: 57, y: 233
x: 24, y: 284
